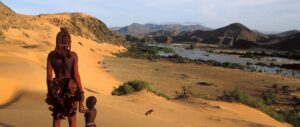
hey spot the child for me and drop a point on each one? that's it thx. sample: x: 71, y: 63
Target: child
x: 90, y: 113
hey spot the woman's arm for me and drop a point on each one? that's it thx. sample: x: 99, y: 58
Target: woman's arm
x: 81, y: 108
x: 49, y: 73
x: 77, y: 76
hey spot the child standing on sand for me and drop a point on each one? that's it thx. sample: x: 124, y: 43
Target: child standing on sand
x: 90, y: 113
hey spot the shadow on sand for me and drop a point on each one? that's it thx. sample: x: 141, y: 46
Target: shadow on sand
x: 16, y: 98
x: 5, y: 125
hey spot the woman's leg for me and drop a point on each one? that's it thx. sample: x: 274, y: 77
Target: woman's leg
x: 56, y: 122
x: 72, y: 121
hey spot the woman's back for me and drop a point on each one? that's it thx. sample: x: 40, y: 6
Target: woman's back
x: 62, y: 66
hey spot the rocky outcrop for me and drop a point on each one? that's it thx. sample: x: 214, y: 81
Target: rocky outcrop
x: 84, y: 25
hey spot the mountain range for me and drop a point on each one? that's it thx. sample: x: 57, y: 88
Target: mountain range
x: 235, y: 35
x: 139, y: 30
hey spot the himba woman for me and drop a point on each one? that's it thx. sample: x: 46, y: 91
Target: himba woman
x: 65, y: 90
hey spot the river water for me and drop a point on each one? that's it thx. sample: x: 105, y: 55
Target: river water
x: 249, y: 62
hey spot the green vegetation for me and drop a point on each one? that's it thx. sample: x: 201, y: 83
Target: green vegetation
x: 269, y: 97
x: 135, y: 86
x: 238, y: 96
x: 130, y: 87
x: 149, y: 52
x: 291, y: 116
x: 285, y: 88
x: 178, y: 59
x: 227, y: 65
x: 159, y: 93
x: 288, y: 115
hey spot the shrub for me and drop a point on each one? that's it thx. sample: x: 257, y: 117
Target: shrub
x: 122, y: 89
x: 168, y: 50
x: 134, y: 86
x: 159, y: 93
x: 285, y: 88
x: 291, y: 116
x: 269, y: 97
x: 275, y: 86
x: 287, y: 115
x: 178, y: 59
x: 238, y: 96
x: 138, y: 85
x: 148, y: 50
x: 129, y: 87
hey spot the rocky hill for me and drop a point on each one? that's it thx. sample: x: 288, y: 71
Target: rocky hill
x: 228, y: 35
x: 140, y: 30
x: 234, y: 35
x: 289, y: 43
x: 287, y: 33
x: 79, y: 24
x: 83, y: 25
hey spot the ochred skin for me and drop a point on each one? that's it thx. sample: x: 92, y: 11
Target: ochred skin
x: 89, y: 114
x: 72, y: 72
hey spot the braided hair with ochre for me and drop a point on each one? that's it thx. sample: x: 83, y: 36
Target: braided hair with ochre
x: 63, y: 46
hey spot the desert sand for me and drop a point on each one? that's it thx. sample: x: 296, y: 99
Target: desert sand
x: 23, y: 88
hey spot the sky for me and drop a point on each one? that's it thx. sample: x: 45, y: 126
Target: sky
x: 262, y: 15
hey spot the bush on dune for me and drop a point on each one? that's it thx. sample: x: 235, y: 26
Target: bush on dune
x: 135, y: 86
x: 237, y: 95
x: 287, y: 115
x: 130, y: 87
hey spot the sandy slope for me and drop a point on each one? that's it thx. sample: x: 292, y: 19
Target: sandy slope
x: 22, y: 83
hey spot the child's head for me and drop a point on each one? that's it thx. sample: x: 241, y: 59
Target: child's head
x: 91, y: 102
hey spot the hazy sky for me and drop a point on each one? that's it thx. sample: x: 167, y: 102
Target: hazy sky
x: 263, y: 15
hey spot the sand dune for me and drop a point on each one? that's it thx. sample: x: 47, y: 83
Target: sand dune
x: 23, y: 87
x: 128, y: 111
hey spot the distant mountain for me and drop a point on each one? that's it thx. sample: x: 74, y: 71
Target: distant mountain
x: 115, y: 28
x: 289, y: 43
x: 288, y: 33
x: 136, y: 29
x: 226, y: 36
x: 236, y: 31
x: 234, y: 35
